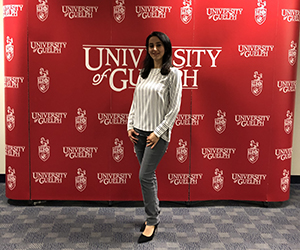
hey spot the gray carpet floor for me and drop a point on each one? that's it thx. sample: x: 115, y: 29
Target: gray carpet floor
x: 101, y: 225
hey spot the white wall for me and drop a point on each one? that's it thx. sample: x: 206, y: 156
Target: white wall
x: 296, y: 139
x: 2, y: 124
x: 296, y: 144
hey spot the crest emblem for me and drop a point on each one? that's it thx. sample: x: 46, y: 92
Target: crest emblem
x: 288, y: 122
x: 218, y: 180
x: 9, y: 49
x: 186, y: 12
x: 81, y: 120
x: 81, y: 180
x: 257, y: 84
x: 44, y: 149
x: 261, y: 12
x: 118, y: 150
x: 285, y: 181
x: 10, y: 119
x: 119, y: 11
x: 253, y: 152
x: 11, y: 178
x: 182, y: 151
x: 220, y: 122
x: 43, y: 81
x: 292, y: 55
x: 42, y: 10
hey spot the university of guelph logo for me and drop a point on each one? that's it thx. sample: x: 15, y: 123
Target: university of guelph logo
x: 10, y: 119
x: 186, y: 12
x: 292, y: 55
x: 261, y: 12
x: 220, y: 122
x: 81, y: 120
x: 9, y: 49
x: 11, y: 178
x: 288, y: 122
x: 81, y: 180
x: 42, y: 10
x: 43, y: 81
x: 119, y: 11
x: 44, y: 149
x: 182, y: 151
x: 218, y: 180
x: 257, y: 84
x: 118, y: 150
x: 253, y: 152
x: 285, y: 181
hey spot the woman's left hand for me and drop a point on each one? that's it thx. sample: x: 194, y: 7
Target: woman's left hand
x: 152, y: 139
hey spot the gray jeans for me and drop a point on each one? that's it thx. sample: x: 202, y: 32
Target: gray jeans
x: 149, y: 159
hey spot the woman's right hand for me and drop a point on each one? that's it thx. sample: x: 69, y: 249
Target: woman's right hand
x: 131, y: 135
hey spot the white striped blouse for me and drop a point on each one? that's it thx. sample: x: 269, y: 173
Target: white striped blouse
x: 156, y: 103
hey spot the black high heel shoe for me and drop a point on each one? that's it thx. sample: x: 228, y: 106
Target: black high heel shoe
x: 143, y: 227
x: 143, y: 238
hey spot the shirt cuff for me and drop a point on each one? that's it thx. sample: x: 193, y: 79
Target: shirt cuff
x: 160, y: 130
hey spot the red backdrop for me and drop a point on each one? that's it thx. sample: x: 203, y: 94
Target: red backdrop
x: 70, y: 73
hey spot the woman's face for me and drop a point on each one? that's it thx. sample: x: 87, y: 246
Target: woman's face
x: 156, y: 50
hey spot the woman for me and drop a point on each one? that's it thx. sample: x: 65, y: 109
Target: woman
x: 155, y: 105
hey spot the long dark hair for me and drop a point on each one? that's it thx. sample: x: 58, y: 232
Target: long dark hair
x: 148, y: 63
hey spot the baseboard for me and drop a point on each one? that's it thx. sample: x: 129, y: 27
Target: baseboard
x: 295, y: 179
